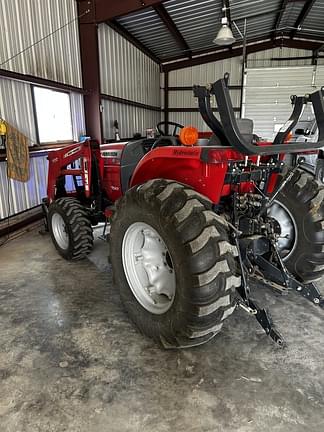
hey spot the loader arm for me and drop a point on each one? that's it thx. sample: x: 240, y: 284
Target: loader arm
x: 59, y: 160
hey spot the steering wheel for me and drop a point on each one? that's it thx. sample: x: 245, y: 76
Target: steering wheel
x: 166, y: 124
x: 166, y: 139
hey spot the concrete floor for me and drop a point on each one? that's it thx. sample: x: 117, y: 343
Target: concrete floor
x: 70, y: 359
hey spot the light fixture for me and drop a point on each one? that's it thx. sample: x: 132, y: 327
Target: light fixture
x: 225, y: 35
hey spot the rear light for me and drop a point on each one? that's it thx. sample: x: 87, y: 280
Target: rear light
x: 188, y: 136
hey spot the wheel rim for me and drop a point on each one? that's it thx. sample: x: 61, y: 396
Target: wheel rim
x: 59, y: 231
x: 321, y: 175
x: 148, y: 268
x: 288, y: 236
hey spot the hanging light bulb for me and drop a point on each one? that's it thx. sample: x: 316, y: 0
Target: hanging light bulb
x: 225, y: 35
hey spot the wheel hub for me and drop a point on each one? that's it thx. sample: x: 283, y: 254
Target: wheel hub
x: 59, y: 231
x: 288, y: 235
x: 148, y: 268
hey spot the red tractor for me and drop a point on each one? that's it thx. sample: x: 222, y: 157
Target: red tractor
x: 193, y: 225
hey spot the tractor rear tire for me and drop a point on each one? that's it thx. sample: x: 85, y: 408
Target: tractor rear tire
x: 303, y: 198
x: 177, y: 222
x: 70, y: 228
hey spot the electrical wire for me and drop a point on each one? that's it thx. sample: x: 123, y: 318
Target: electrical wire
x: 45, y: 37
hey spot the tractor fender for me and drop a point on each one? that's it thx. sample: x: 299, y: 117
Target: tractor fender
x: 184, y: 165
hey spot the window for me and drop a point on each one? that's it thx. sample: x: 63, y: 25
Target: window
x: 53, y: 113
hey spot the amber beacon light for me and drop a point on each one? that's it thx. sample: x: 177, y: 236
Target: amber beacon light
x: 188, y: 136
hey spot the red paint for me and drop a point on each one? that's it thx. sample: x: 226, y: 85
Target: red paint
x: 58, y: 161
x: 184, y: 165
x: 201, y: 168
x: 110, y: 157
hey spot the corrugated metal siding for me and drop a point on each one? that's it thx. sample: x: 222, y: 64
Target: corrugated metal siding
x: 25, y: 22
x: 290, y: 15
x: 77, y: 113
x: 314, y: 22
x: 147, y: 27
x: 16, y: 106
x: 207, y: 73
x: 185, y: 99
x: 267, y: 94
x: 211, y: 71
x: 131, y: 119
x: 56, y: 58
x: 260, y: 15
x: 192, y: 119
x: 263, y: 58
x: 241, y: 9
x: 202, y: 74
x: 125, y: 71
x: 197, y: 20
x: 23, y: 196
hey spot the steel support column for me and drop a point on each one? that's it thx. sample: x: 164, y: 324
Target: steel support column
x: 166, y: 99
x: 90, y: 72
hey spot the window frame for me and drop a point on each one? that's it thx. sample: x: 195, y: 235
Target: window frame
x: 57, y: 142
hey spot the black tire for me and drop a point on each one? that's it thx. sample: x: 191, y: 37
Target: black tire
x: 303, y: 197
x: 203, y: 260
x: 77, y: 226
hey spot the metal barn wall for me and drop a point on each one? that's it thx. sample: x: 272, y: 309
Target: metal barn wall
x: 77, y: 113
x: 16, y: 107
x: 267, y: 95
x: 131, y: 119
x: 264, y: 58
x: 209, y: 72
x: 23, y: 196
x: 25, y: 22
x: 127, y: 73
x: 201, y: 74
x: 55, y: 58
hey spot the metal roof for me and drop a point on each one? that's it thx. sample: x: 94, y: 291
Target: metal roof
x: 314, y: 23
x: 180, y: 29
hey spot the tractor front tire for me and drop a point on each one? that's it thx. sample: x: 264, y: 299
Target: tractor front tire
x: 302, y: 199
x: 172, y: 263
x: 70, y: 228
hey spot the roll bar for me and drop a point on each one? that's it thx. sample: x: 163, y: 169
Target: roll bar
x: 299, y: 103
x: 227, y: 130
x: 203, y: 95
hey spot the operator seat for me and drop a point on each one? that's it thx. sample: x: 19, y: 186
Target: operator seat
x: 245, y: 126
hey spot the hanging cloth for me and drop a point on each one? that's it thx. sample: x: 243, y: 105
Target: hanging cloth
x: 17, y: 154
